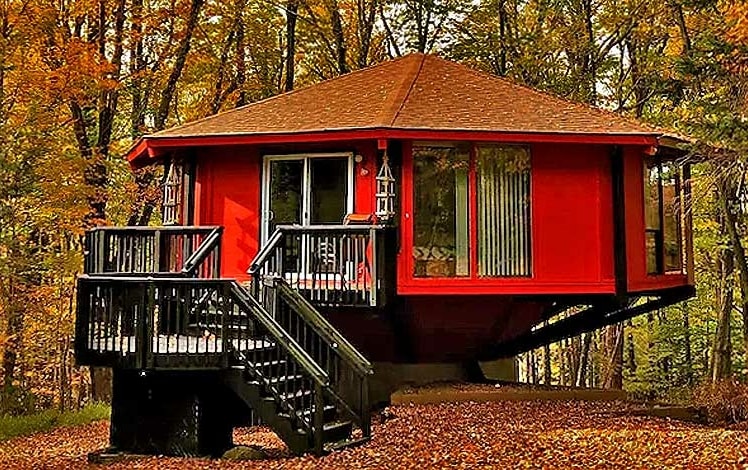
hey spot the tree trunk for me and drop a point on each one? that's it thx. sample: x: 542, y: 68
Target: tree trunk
x: 614, y: 347
x: 732, y: 215
x: 547, y: 364
x: 167, y: 95
x: 722, y: 347
x: 687, y: 343
x: 292, y: 10
x: 366, y: 14
x: 583, y: 360
x: 339, y: 38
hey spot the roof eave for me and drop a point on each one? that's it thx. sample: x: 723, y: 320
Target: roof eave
x: 151, y: 147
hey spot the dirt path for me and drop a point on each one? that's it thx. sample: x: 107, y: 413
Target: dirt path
x: 466, y: 435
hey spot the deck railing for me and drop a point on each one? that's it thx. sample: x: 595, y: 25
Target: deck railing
x: 187, y: 323
x: 330, y: 265
x: 193, y: 251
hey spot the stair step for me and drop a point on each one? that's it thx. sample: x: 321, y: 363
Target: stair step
x: 285, y: 378
x: 328, y: 413
x: 344, y: 444
x: 337, y: 431
x: 295, y: 395
x: 271, y: 368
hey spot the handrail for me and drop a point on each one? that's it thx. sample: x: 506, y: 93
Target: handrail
x: 247, y: 303
x: 202, y: 252
x: 265, y: 251
x: 324, y: 328
x: 330, y: 228
x: 279, y: 334
x: 148, y: 228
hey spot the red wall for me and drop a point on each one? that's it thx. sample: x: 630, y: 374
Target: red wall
x: 572, y: 228
x: 636, y: 253
x: 227, y: 193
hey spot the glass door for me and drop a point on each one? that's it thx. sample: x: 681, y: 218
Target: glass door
x: 306, y: 190
x: 285, y: 191
x: 328, y: 190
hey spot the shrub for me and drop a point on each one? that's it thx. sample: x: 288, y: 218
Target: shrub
x: 725, y: 401
x: 13, y: 426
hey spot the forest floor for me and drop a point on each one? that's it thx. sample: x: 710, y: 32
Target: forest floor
x: 522, y: 434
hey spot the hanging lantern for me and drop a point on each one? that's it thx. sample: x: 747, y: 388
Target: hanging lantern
x: 172, y: 194
x: 385, y: 191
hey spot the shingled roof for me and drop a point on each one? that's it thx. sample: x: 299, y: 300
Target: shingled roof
x: 414, y: 95
x: 417, y: 91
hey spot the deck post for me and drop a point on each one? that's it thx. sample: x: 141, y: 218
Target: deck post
x: 365, y: 412
x: 156, y: 255
x: 101, y: 240
x: 319, y: 419
x: 373, y: 275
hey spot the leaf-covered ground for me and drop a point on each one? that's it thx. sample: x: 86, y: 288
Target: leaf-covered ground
x: 466, y: 435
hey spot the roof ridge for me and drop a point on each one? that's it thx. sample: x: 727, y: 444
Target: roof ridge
x: 282, y: 95
x: 396, y: 102
x: 409, y: 89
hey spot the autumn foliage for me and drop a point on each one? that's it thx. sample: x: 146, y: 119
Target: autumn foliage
x: 80, y: 80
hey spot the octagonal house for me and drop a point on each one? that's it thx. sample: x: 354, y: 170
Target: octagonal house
x: 391, y: 224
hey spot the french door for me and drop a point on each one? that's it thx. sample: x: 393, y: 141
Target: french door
x: 309, y: 189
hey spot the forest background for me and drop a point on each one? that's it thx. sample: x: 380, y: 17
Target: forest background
x: 80, y: 80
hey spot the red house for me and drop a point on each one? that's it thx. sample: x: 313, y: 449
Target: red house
x: 416, y: 211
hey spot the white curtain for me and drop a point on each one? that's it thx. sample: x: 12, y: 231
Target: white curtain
x: 504, y: 211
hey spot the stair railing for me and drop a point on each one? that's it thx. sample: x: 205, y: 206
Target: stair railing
x: 150, y: 322
x: 347, y: 368
x: 306, y: 410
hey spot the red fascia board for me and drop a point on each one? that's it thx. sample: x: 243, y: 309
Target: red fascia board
x: 148, y: 145
x: 498, y: 287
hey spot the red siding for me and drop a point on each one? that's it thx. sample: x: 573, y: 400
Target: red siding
x: 572, y: 228
x: 228, y: 194
x: 636, y: 254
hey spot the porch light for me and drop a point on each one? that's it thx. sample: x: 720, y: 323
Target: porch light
x: 385, y: 191
x: 172, y: 193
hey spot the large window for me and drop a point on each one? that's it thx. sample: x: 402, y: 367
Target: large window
x: 662, y: 211
x: 440, y: 218
x: 503, y: 211
x: 444, y: 236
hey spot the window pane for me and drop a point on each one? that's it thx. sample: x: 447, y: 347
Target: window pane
x: 671, y: 207
x: 329, y: 188
x: 653, y: 226
x: 504, y: 211
x: 285, y: 192
x: 440, y: 213
x: 652, y: 195
x: 651, y: 243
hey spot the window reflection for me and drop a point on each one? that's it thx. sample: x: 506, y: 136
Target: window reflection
x: 662, y: 213
x: 440, y: 215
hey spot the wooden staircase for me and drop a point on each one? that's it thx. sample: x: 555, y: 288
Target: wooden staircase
x: 269, y: 346
x: 286, y: 385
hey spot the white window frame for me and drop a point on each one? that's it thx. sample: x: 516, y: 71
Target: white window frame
x: 305, y: 185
